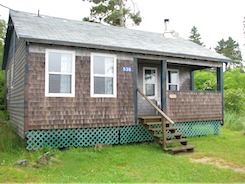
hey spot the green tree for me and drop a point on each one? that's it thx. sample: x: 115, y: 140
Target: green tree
x: 234, y: 79
x: 234, y: 85
x: 195, y: 36
x: 2, y: 76
x: 113, y: 12
x: 230, y: 48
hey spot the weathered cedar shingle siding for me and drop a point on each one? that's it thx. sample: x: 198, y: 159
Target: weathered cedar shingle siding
x: 15, y: 94
x: 194, y: 106
x: 82, y: 110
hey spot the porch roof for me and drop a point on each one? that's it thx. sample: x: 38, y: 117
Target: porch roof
x: 46, y: 29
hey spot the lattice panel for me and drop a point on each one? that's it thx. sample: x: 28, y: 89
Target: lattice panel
x: 136, y: 133
x: 198, y: 128
x: 60, y: 138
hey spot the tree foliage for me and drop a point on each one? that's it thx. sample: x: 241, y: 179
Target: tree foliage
x: 205, y: 80
x: 230, y: 48
x: 235, y: 90
x: 2, y: 76
x: 113, y: 12
x: 195, y: 36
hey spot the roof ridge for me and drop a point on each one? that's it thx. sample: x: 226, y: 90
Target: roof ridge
x: 80, y: 33
x: 85, y: 22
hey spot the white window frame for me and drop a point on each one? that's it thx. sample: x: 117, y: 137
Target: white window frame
x: 114, y: 76
x: 173, y: 70
x: 144, y: 82
x: 47, y: 94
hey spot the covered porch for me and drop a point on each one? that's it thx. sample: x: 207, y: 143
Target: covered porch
x: 169, y: 83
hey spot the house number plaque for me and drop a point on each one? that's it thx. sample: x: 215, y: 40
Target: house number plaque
x: 127, y: 69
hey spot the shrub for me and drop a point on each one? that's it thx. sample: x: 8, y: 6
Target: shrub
x: 235, y: 100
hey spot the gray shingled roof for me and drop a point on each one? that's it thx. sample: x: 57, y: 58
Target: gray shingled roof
x: 78, y: 33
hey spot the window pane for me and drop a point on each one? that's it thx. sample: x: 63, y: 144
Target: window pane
x: 66, y: 63
x: 59, y: 62
x: 108, y: 85
x: 103, y: 85
x: 109, y: 66
x: 150, y: 76
x: 54, y: 62
x: 99, y: 65
x: 59, y: 83
x: 173, y: 87
x: 103, y: 65
x: 173, y: 77
x: 65, y: 83
x: 150, y: 89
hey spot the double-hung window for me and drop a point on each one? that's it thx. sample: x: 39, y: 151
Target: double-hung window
x: 60, y: 73
x: 173, y: 80
x: 150, y: 81
x: 103, y: 75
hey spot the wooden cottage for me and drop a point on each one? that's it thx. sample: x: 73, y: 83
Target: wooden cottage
x: 74, y: 83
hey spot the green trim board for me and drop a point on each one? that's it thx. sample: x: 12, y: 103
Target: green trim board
x: 78, y: 137
x: 135, y: 77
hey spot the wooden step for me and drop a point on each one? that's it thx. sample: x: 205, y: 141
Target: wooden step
x: 153, y: 123
x: 160, y: 128
x: 149, y: 117
x: 171, y: 129
x: 182, y: 141
x: 155, y: 129
x: 177, y: 135
x: 171, y: 141
x: 180, y: 148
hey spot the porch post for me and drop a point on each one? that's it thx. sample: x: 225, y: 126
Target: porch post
x: 163, y: 85
x: 135, y: 77
x: 220, y: 86
x: 192, y: 80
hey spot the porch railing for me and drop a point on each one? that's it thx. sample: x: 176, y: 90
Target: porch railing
x: 164, y: 118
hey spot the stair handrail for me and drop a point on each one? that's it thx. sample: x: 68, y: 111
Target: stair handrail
x: 155, y: 107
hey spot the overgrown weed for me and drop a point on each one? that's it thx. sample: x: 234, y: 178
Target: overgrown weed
x: 9, y: 140
x: 234, y: 121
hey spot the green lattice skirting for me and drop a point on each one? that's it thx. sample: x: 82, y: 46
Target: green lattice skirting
x: 77, y: 137
x: 198, y: 128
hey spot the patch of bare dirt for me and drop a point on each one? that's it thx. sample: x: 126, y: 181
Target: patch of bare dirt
x: 218, y: 163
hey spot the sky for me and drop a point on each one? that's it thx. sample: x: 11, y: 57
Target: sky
x: 214, y: 19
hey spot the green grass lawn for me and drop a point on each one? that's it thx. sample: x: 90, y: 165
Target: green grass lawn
x: 134, y: 163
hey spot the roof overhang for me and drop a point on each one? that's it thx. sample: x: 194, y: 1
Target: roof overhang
x: 123, y: 49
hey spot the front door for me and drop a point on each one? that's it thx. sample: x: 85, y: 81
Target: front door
x: 149, y: 84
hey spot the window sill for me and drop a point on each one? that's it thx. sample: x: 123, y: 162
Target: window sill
x: 59, y: 95
x: 103, y: 96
